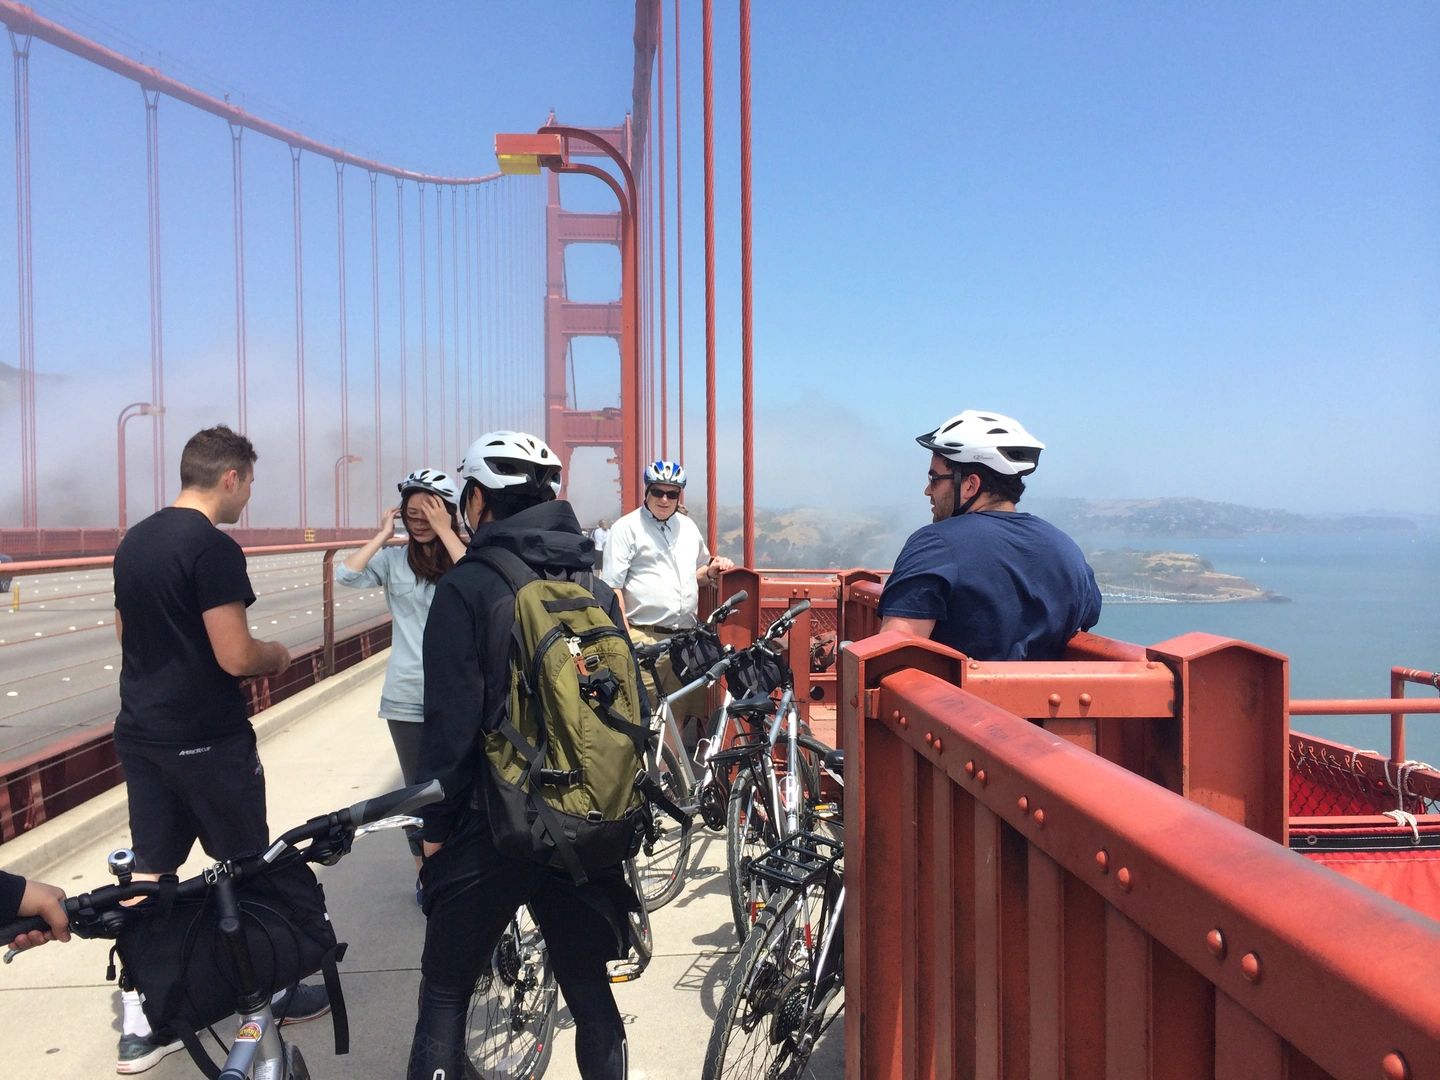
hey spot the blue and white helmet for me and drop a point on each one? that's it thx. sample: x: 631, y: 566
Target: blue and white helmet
x: 665, y: 472
x: 433, y: 481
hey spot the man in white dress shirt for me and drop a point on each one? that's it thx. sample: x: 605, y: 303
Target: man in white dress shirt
x: 657, y: 560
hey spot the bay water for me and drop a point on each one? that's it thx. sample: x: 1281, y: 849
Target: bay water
x: 1359, y: 603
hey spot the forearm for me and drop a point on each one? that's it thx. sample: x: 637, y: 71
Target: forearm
x: 358, y: 560
x: 261, y: 658
x: 453, y: 544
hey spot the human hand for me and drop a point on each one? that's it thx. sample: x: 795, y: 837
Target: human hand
x: 437, y: 515
x: 47, y: 901
x: 387, y: 522
x: 280, y: 659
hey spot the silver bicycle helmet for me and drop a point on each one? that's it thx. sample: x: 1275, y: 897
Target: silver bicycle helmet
x: 433, y: 481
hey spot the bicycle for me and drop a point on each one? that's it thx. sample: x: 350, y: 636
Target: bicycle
x: 258, y: 1049
x: 665, y: 851
x: 766, y: 806
x: 511, y: 1026
x: 788, y: 983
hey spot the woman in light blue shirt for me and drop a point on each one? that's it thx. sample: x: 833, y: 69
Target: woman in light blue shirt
x: 408, y: 574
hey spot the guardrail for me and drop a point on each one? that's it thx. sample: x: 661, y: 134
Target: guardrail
x: 1024, y: 908
x: 77, y: 765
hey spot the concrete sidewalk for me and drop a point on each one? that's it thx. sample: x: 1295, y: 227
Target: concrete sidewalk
x: 322, y: 750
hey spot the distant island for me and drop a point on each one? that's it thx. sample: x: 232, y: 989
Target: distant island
x: 1169, y: 577
x: 1198, y: 518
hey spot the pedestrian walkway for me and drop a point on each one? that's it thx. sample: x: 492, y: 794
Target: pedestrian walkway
x: 322, y: 750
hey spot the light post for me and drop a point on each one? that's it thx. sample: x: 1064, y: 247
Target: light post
x: 340, y: 463
x: 134, y: 409
x: 526, y: 155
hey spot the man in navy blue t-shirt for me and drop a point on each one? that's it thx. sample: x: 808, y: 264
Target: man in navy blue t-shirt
x: 984, y: 578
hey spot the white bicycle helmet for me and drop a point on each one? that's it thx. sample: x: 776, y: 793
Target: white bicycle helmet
x: 512, y: 459
x: 665, y: 472
x: 433, y: 481
x: 985, y: 438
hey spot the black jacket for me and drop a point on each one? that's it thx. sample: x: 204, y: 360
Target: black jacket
x: 467, y: 646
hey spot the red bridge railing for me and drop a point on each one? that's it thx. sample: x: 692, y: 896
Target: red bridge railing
x: 1024, y: 908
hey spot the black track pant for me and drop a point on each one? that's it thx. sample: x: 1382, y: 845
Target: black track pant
x: 471, y: 890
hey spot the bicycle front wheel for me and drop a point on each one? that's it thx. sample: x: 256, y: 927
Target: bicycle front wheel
x: 661, y: 863
x: 774, y: 1018
x: 512, y: 1013
x: 750, y: 831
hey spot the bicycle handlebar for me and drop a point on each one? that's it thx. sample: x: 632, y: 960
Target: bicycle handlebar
x: 86, y: 911
x: 784, y: 622
x: 725, y: 610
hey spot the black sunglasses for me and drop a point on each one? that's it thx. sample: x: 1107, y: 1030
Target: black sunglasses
x: 664, y: 493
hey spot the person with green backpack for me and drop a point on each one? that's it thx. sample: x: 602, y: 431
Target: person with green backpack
x: 535, y: 724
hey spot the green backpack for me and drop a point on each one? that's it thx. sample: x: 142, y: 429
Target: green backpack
x: 567, y: 763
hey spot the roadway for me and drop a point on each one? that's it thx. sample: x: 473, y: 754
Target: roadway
x: 61, y: 660
x: 324, y: 749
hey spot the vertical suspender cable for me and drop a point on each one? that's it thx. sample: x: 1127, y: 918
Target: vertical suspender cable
x: 157, y: 322
x: 375, y: 339
x: 25, y: 279
x: 660, y: 179
x: 747, y: 310
x: 237, y: 183
x: 712, y: 496
x: 404, y: 374
x: 440, y: 309
x: 469, y: 327
x: 455, y: 307
x: 679, y: 253
x: 344, y: 492
x: 424, y: 339
x: 299, y: 327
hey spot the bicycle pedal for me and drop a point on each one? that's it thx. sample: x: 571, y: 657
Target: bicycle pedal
x: 621, y: 971
x: 826, y: 811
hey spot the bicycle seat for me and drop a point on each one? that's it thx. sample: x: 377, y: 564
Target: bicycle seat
x: 755, y: 705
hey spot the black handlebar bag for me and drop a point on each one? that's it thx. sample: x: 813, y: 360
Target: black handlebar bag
x: 171, y: 950
x: 693, y: 653
x: 755, y: 671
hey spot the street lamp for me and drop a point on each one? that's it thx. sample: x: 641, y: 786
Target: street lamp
x: 134, y: 409
x: 340, y: 463
x: 548, y: 148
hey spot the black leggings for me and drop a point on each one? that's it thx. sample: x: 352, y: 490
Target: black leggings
x: 471, y: 890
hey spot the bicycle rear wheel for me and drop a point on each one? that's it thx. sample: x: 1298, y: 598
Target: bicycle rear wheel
x: 512, y: 1014
x: 661, y: 863
x: 773, y: 1022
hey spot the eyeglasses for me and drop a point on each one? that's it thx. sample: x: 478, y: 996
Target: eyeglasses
x: 664, y: 494
x: 939, y: 478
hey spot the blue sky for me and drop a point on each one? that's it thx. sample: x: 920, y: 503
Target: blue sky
x: 1193, y: 248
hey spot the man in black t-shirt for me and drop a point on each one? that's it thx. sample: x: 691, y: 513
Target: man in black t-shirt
x: 183, y: 735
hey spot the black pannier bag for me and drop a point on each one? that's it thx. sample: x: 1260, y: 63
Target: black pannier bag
x: 171, y: 950
x: 756, y: 671
x: 693, y: 653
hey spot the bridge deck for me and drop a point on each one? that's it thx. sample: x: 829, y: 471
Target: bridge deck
x: 323, y: 750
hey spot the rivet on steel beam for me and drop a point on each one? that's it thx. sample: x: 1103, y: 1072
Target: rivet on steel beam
x: 904, y: 721
x: 1055, y: 700
x: 969, y: 768
x: 1123, y: 879
x: 1250, y: 967
x: 854, y: 701
x: 1215, y: 942
x: 1039, y: 816
x: 1024, y: 805
x: 895, y: 715
x: 980, y: 777
x: 974, y: 665
x: 1085, y: 700
x: 929, y: 738
x: 1151, y: 665
x: 1394, y: 1066
x: 939, y: 746
x: 1102, y: 860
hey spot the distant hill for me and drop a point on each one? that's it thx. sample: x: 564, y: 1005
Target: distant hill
x: 841, y: 538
